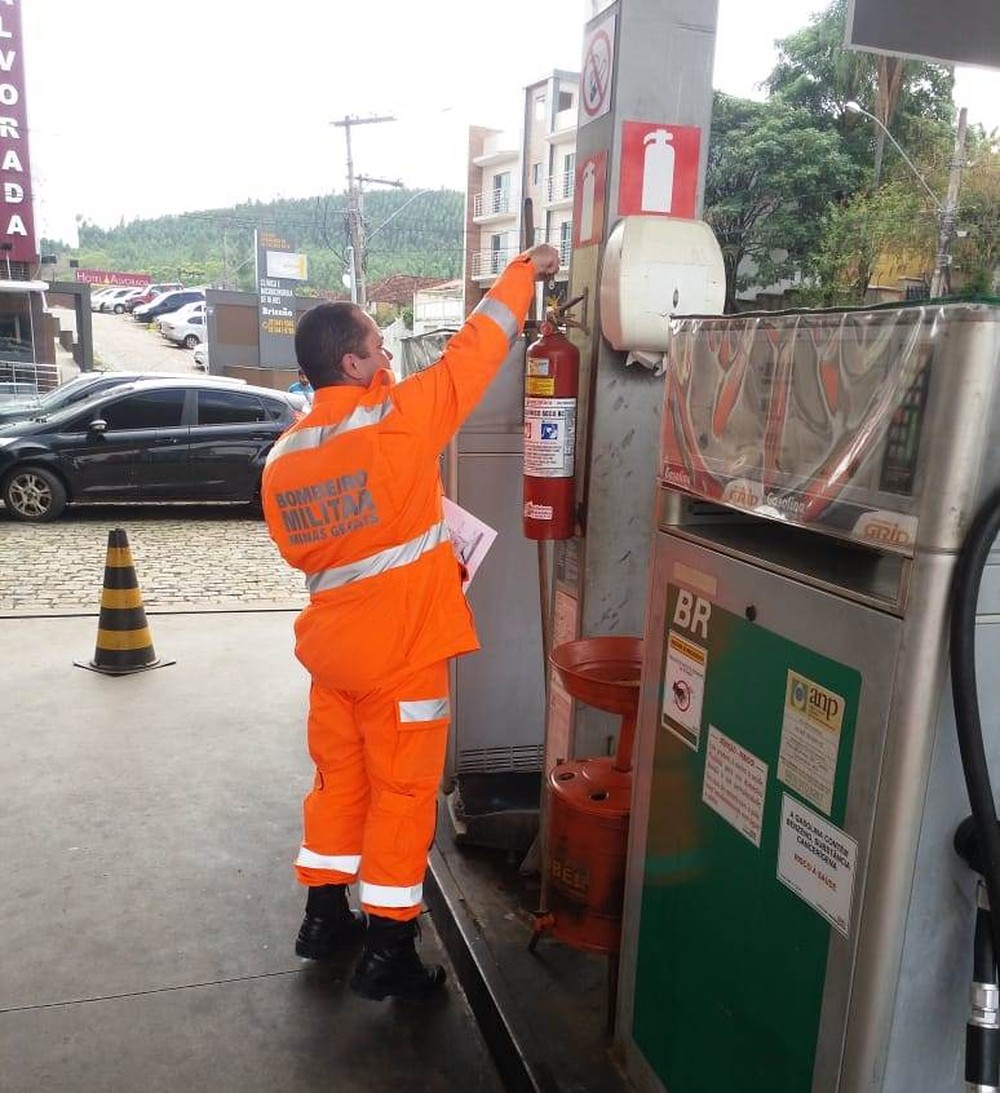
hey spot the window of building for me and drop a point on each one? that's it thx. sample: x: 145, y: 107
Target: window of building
x: 565, y: 242
x: 501, y: 192
x: 540, y: 108
x: 536, y: 173
x: 565, y: 100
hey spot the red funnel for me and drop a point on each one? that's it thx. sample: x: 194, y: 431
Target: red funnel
x: 604, y: 672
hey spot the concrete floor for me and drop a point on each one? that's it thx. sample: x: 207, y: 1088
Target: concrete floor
x: 148, y: 907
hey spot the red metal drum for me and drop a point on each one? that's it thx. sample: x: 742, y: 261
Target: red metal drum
x: 589, y: 799
x: 588, y: 836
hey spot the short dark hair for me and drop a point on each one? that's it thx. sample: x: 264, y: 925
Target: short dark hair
x: 324, y: 335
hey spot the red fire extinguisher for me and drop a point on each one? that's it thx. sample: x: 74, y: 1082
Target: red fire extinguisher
x: 551, y: 382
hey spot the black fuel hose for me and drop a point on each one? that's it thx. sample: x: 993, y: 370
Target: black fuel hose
x: 965, y: 598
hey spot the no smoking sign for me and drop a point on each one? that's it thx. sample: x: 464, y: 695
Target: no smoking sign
x: 597, y: 70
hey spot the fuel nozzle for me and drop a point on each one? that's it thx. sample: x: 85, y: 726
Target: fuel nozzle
x: 982, y: 1030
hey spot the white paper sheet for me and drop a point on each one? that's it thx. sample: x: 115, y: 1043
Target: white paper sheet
x: 470, y: 537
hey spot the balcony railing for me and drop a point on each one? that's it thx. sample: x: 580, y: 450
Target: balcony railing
x: 559, y: 187
x: 565, y: 250
x: 490, y: 263
x: 491, y: 203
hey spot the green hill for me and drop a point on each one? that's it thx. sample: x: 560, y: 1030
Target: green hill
x: 424, y: 238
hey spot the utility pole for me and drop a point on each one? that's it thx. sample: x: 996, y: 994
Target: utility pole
x: 949, y: 212
x: 355, y: 218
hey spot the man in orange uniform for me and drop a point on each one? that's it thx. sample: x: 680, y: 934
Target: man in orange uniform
x: 352, y: 497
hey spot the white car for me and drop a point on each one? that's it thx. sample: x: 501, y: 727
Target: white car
x: 182, y: 314
x: 114, y: 300
x: 189, y: 331
x: 97, y: 298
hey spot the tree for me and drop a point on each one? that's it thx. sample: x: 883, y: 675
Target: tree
x: 976, y: 253
x: 886, y: 233
x: 815, y: 72
x: 771, y: 175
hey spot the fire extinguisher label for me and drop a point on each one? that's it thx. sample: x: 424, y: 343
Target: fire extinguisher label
x: 539, y: 385
x: 549, y: 437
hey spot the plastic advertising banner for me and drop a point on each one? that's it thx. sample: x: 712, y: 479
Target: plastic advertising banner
x: 811, y: 418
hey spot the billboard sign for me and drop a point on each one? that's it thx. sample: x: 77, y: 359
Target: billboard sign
x: 961, y: 32
x: 111, y: 277
x: 279, y: 269
x: 17, y: 219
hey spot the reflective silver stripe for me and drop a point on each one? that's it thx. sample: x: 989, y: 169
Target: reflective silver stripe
x: 339, y: 575
x: 427, y: 709
x: 340, y: 863
x: 300, y: 440
x: 384, y: 895
x: 501, y: 314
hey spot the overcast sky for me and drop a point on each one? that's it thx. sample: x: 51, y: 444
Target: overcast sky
x: 198, y: 104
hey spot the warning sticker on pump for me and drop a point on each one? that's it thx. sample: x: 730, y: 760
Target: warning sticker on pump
x: 684, y: 689
x: 817, y: 862
x: 735, y: 784
x: 810, y: 740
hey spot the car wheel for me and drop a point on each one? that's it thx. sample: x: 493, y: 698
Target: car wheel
x: 192, y: 341
x: 32, y: 493
x: 119, y: 309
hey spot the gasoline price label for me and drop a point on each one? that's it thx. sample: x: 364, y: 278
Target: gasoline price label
x: 549, y: 437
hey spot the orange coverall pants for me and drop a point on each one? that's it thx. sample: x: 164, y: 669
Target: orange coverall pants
x: 372, y: 811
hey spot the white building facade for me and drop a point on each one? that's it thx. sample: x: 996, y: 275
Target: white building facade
x: 504, y: 169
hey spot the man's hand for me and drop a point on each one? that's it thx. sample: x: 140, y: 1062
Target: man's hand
x: 545, y: 259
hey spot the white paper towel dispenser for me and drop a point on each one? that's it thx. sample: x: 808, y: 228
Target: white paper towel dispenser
x: 656, y: 267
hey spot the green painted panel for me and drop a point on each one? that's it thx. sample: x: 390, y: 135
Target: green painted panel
x: 731, y: 963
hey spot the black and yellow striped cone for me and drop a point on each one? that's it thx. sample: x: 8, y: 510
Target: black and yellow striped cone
x: 124, y: 642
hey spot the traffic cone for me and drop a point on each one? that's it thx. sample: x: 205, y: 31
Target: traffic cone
x: 124, y: 643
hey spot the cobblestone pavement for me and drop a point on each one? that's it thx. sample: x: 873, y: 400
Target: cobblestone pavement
x: 186, y: 557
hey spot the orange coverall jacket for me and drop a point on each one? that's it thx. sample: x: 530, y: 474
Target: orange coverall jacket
x: 352, y: 497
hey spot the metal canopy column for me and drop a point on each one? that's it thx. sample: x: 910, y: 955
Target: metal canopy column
x: 660, y: 72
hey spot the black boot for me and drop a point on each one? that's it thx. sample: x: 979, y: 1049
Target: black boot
x: 330, y: 926
x: 390, y: 967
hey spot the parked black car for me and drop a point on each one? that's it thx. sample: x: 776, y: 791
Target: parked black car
x: 85, y: 386
x: 172, y: 301
x: 158, y: 440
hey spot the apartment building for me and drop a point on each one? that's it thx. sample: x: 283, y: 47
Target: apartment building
x: 538, y: 163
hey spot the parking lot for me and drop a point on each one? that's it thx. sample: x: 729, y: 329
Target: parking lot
x: 187, y: 556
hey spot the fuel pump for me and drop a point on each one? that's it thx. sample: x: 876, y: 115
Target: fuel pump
x: 830, y: 497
